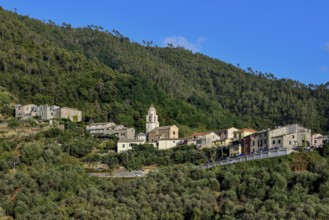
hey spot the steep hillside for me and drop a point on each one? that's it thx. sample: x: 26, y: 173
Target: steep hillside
x: 110, y: 77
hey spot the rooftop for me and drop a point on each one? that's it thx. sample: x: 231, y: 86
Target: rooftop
x: 200, y: 134
x: 163, y: 128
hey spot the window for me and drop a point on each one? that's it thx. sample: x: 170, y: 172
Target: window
x: 253, y: 143
x: 279, y: 141
x: 273, y: 142
x: 173, y: 133
x: 293, y: 136
x: 290, y: 142
x: 314, y: 141
x: 150, y: 118
x: 123, y: 145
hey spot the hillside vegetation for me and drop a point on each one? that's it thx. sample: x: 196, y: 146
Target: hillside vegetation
x: 49, y: 182
x: 111, y: 78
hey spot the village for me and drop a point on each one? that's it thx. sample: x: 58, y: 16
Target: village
x: 233, y: 141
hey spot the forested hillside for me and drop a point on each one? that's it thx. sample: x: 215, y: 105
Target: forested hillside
x: 111, y: 78
x: 50, y: 183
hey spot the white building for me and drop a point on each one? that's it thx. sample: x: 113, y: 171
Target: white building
x: 124, y: 145
x: 141, y: 136
x: 99, y: 128
x: 203, y: 139
x: 164, y: 144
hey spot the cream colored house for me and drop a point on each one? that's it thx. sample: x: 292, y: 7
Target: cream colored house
x: 164, y: 144
x: 290, y: 137
x: 203, y: 139
x: 226, y: 133
x: 124, y: 145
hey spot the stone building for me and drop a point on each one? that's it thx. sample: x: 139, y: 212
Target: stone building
x: 46, y: 112
x: 72, y: 114
x: 110, y: 128
x: 99, y: 128
x: 163, y: 132
x: 26, y: 111
x: 154, y: 132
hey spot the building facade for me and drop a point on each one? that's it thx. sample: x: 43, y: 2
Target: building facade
x: 72, y: 114
x: 110, y: 128
x: 317, y: 140
x: 163, y: 132
x: 164, y: 144
x: 291, y: 137
x: 124, y: 145
x: 46, y: 112
x: 151, y: 119
x: 203, y: 139
x: 26, y: 111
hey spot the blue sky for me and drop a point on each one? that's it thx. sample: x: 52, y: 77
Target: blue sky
x: 287, y: 38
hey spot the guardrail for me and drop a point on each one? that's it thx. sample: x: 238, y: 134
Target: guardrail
x: 256, y: 156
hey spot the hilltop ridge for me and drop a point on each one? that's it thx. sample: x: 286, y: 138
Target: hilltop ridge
x: 111, y: 78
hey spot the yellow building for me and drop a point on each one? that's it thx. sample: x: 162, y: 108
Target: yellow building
x: 241, y: 133
x: 235, y: 150
x: 221, y: 143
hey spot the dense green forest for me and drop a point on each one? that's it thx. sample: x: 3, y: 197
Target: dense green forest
x: 110, y: 77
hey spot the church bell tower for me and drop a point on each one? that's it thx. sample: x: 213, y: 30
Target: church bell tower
x: 151, y: 119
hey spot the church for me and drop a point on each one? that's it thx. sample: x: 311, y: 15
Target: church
x: 154, y: 131
x: 162, y: 137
